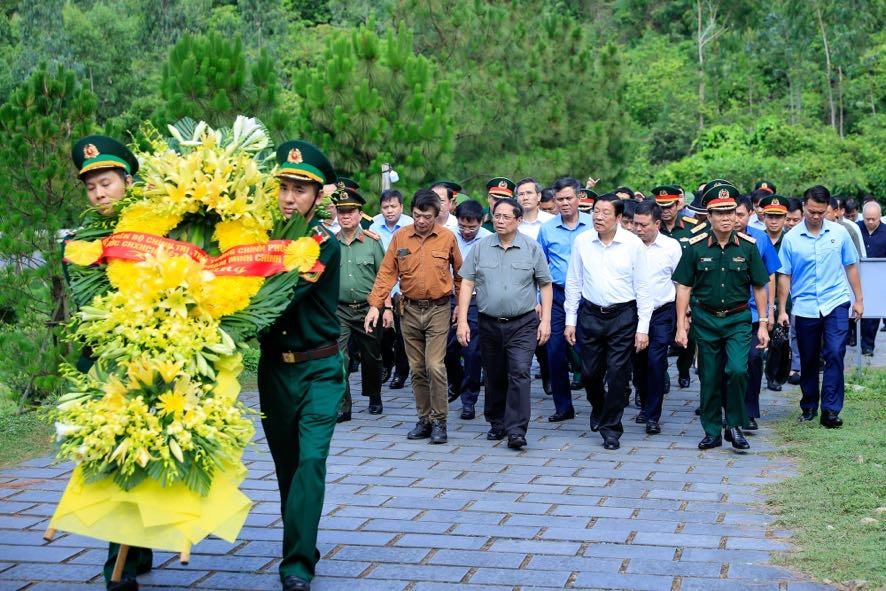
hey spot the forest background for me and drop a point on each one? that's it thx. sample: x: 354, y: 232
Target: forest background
x: 635, y: 92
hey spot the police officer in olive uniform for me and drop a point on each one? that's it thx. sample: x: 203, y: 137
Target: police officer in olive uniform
x: 361, y: 257
x: 718, y: 269
x: 497, y: 188
x: 300, y: 377
x: 344, y: 182
x: 105, y: 166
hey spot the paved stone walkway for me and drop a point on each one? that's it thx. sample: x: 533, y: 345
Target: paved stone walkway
x: 563, y: 513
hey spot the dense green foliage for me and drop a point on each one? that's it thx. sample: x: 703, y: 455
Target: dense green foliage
x: 632, y: 92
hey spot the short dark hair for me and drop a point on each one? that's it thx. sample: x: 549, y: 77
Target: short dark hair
x: 795, y: 204
x: 425, y: 199
x: 629, y: 208
x: 851, y: 204
x: 818, y: 193
x: 565, y: 182
x: 834, y: 203
x: 746, y: 201
x: 528, y: 179
x: 624, y: 189
x: 518, y: 209
x: 758, y: 194
x: 469, y: 210
x: 868, y: 197
x: 118, y: 171
x: 615, y: 200
x: 547, y: 194
x: 389, y: 194
x: 449, y: 193
x: 648, y: 207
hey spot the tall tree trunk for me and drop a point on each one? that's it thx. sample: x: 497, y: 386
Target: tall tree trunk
x: 827, y: 57
x: 700, y: 42
x: 791, y: 98
x: 840, y: 95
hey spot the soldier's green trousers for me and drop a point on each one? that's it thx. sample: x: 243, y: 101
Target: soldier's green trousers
x: 722, y: 350
x: 299, y: 403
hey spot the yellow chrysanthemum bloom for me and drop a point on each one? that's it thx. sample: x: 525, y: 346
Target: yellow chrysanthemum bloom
x: 171, y: 403
x: 83, y: 252
x: 301, y: 254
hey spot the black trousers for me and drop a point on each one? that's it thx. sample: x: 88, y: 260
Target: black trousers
x: 606, y: 344
x: 393, y: 352
x: 755, y: 376
x: 507, y: 349
x: 651, y: 364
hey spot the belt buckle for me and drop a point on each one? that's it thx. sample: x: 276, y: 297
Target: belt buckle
x: 288, y: 357
x: 423, y: 303
x: 503, y: 319
x: 721, y: 313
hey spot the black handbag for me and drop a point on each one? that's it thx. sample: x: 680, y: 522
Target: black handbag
x: 778, y: 358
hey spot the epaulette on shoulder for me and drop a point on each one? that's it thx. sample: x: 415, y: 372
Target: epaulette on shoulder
x: 372, y: 235
x: 744, y: 236
x: 366, y: 216
x: 692, y: 221
x: 322, y: 234
x: 698, y: 228
x: 698, y: 238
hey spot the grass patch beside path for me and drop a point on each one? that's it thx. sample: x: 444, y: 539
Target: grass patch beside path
x: 833, y: 505
x: 23, y: 437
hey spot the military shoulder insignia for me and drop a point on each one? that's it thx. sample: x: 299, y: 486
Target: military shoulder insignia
x: 371, y: 234
x: 321, y: 235
x: 690, y: 220
x: 698, y: 228
x: 366, y: 216
x: 698, y: 238
x: 747, y: 238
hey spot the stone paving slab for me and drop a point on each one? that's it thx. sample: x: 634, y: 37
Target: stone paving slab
x: 562, y: 513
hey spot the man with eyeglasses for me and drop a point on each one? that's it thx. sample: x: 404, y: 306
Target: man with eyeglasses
x: 819, y: 265
x: 607, y: 295
x: 556, y: 238
x: 507, y: 269
x: 464, y: 380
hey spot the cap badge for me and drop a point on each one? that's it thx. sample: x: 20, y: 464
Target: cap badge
x: 764, y: 185
x: 90, y: 151
x: 340, y: 184
x: 723, y: 194
x: 503, y: 184
x: 662, y: 193
x: 294, y: 156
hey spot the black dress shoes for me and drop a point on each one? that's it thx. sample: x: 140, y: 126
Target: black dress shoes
x: 468, y: 412
x: 611, y: 443
x: 376, y: 407
x: 422, y: 430
x: 774, y: 386
x: 710, y: 441
x: 495, y: 434
x: 653, y: 428
x: 295, y: 584
x: 386, y: 375
x: 438, y: 432
x: 516, y: 441
x: 126, y: 583
x: 576, y: 385
x: 343, y: 417
x: 397, y: 382
x: 830, y: 420
x: 808, y: 415
x: 794, y: 378
x: 735, y: 435
x: 595, y: 423
x: 752, y: 424
x: 640, y: 418
x: 684, y: 381
x: 562, y: 416
x: 698, y: 411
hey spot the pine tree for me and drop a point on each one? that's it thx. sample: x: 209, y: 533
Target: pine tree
x: 40, y: 197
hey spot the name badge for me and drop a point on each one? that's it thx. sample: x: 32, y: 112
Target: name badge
x: 738, y: 259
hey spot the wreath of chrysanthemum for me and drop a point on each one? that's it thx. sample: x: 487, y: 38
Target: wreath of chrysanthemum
x: 161, y: 400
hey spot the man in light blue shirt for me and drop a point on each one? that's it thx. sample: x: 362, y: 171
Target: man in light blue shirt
x: 464, y: 378
x: 556, y: 237
x: 385, y: 224
x: 819, y: 265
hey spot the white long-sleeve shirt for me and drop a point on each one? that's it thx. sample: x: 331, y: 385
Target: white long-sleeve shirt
x: 662, y: 257
x: 606, y: 275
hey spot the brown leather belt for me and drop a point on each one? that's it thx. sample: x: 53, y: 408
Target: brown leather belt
x: 302, y: 356
x: 427, y: 303
x: 722, y: 313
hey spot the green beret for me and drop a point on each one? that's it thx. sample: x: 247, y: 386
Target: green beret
x: 347, y: 197
x: 344, y: 182
x: 719, y: 197
x: 501, y: 187
x: 96, y: 152
x: 302, y: 161
x: 764, y: 185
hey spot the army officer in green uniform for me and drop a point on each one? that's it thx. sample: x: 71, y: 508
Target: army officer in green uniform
x: 717, y: 269
x: 300, y: 377
x: 105, y: 166
x: 361, y: 256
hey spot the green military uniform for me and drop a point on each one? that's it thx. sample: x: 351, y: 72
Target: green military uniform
x: 500, y: 187
x: 720, y: 278
x: 300, y: 379
x: 360, y: 261
x: 344, y: 182
x: 98, y: 152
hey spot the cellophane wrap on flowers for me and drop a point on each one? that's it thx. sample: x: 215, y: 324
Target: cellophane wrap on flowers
x: 196, y: 262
